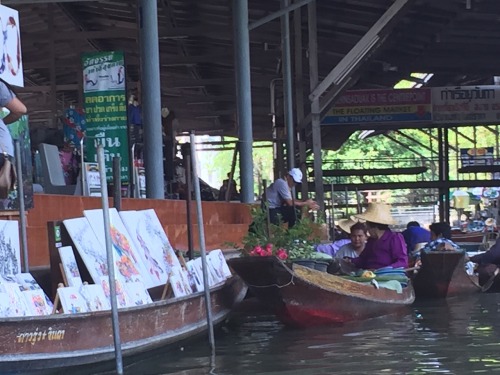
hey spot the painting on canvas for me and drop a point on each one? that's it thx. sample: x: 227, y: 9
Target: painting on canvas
x: 138, y: 294
x: 89, y: 248
x: 17, y: 301
x: 148, y: 248
x: 157, y: 236
x: 194, y: 279
x: 126, y: 258
x: 5, y: 307
x: 219, y: 265
x: 10, y: 251
x: 35, y: 300
x: 95, y: 297
x: 27, y: 282
x: 69, y: 266
x: 179, y: 282
x: 72, y: 301
x: 199, y: 268
x: 122, y: 299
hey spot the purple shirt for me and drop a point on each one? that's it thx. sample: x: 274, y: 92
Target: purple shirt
x: 386, y: 251
x: 332, y: 248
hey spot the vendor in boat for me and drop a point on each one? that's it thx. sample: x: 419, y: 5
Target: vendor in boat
x: 415, y: 236
x: 280, y: 202
x: 359, y: 235
x: 487, y: 262
x: 384, y: 248
x: 441, y: 238
x: 344, y: 238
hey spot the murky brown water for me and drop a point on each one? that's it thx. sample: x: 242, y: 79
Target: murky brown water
x: 458, y: 336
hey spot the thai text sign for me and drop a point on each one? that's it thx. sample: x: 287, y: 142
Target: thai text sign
x: 476, y: 156
x: 466, y: 105
x: 376, y: 106
x: 106, y: 108
x: 11, y: 58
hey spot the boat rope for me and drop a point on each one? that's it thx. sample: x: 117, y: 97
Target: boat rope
x: 273, y: 285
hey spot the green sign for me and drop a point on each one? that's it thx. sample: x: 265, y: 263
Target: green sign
x: 106, y: 109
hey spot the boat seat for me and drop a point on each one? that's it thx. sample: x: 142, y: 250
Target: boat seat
x: 53, y: 174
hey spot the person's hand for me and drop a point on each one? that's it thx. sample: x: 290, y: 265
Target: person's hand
x: 312, y: 205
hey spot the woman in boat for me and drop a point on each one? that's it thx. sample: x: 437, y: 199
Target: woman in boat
x: 359, y: 235
x: 344, y: 238
x: 487, y: 262
x: 384, y: 248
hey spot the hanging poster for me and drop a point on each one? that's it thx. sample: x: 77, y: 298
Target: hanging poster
x: 74, y: 126
x: 106, y: 108
x: 92, y: 186
x: 11, y: 59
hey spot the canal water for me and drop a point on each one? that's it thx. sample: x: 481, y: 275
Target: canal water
x: 457, y: 336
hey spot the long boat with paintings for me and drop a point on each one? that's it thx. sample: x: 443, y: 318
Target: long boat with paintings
x: 63, y: 340
x: 442, y: 274
x: 160, y: 296
x: 304, y: 297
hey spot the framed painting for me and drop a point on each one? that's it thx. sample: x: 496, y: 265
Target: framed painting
x: 179, y: 282
x: 219, y: 265
x: 149, y: 249
x: 157, y: 237
x: 72, y: 301
x: 122, y: 299
x: 88, y: 246
x: 35, y: 300
x: 126, y: 258
x: 69, y: 266
x: 27, y: 282
x: 16, y: 300
x: 194, y: 278
x: 10, y: 251
x: 95, y: 297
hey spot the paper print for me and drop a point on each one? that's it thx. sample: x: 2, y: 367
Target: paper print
x: 10, y: 251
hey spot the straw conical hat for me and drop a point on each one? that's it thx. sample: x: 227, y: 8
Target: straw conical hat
x: 379, y: 213
x: 346, y: 224
x: 490, y: 222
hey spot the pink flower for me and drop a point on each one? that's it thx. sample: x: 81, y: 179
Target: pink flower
x: 269, y: 249
x: 282, y: 254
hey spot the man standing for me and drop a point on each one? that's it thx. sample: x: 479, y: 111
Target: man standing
x: 280, y: 201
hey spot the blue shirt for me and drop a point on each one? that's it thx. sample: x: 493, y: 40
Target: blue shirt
x: 415, y: 235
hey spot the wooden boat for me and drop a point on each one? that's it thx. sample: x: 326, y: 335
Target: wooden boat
x: 476, y: 237
x: 443, y: 274
x: 31, y: 343
x: 303, y: 297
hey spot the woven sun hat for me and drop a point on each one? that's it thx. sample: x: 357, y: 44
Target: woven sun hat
x: 379, y: 213
x: 346, y: 224
x: 490, y: 222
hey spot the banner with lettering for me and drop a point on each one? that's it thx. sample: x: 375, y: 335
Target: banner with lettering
x: 466, y: 105
x: 11, y: 58
x: 106, y: 109
x: 381, y: 106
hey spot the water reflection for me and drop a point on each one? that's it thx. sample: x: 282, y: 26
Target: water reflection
x: 458, y: 336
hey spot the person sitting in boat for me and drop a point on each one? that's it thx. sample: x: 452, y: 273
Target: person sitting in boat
x: 359, y: 235
x: 415, y: 236
x: 441, y: 238
x: 344, y: 238
x: 384, y: 248
x: 487, y: 262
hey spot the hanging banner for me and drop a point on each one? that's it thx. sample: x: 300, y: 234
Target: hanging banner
x: 106, y: 109
x: 11, y: 60
x: 381, y: 106
x: 466, y: 105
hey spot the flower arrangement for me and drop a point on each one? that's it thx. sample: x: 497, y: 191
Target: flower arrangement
x: 268, y: 251
x: 265, y: 239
